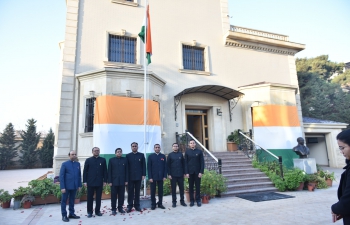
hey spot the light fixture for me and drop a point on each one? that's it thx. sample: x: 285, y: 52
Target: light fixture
x: 218, y: 112
x: 92, y: 94
x: 128, y: 93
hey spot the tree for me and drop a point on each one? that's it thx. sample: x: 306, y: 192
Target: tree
x: 29, y: 145
x: 46, y: 151
x: 8, y: 151
x: 319, y: 98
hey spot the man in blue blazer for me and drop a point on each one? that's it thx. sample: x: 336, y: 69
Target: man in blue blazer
x: 70, y: 183
x: 157, y: 172
x: 94, y: 178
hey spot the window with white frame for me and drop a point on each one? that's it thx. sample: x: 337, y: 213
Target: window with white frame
x: 121, y: 49
x: 89, y: 114
x: 194, y: 58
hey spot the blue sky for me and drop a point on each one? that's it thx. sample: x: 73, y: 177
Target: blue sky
x: 31, y: 30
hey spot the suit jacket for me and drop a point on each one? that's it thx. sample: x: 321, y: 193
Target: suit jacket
x: 118, y: 171
x: 70, y: 175
x: 194, y: 161
x: 343, y: 205
x: 95, y: 171
x: 156, y: 165
x: 136, y: 165
x: 176, y: 164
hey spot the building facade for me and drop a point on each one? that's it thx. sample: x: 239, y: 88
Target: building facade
x: 206, y: 74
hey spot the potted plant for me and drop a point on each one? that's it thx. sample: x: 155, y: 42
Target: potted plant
x: 83, y: 193
x: 106, y: 192
x: 78, y: 195
x: 17, y: 196
x: 328, y: 176
x: 211, y: 184
x: 233, y: 141
x: 5, y: 199
x: 44, y: 191
x: 187, y: 192
x: 294, y: 179
x: 312, y: 181
x: 27, y: 199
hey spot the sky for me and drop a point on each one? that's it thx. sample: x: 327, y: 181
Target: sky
x: 31, y: 30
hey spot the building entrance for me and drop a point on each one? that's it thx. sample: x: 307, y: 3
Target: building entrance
x: 197, y: 125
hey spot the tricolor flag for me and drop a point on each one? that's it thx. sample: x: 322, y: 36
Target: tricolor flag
x: 276, y: 128
x: 118, y: 122
x: 147, y: 27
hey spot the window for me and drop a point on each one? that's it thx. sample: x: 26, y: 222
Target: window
x: 193, y: 58
x: 121, y: 49
x: 89, y: 114
x: 126, y: 2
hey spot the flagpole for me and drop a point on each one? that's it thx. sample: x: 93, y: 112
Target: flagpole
x: 145, y: 94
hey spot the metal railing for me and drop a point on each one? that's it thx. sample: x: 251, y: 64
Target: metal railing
x: 210, y: 161
x: 251, y: 149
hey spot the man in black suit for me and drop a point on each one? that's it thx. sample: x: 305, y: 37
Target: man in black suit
x: 70, y: 183
x: 117, y: 179
x: 157, y: 171
x: 194, y: 168
x: 176, y: 171
x: 94, y: 177
x: 137, y: 172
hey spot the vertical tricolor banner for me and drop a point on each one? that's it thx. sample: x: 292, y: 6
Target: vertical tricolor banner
x: 118, y: 122
x: 276, y: 128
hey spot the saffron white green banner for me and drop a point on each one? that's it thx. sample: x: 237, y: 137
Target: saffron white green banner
x: 119, y: 121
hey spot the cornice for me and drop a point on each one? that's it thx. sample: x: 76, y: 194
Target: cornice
x: 261, y: 41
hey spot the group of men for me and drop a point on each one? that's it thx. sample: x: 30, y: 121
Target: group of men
x: 131, y: 171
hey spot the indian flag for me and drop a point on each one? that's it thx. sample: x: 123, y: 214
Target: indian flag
x: 118, y: 122
x: 146, y: 30
x: 276, y: 128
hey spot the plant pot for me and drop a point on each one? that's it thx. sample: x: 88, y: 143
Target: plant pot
x: 231, y: 146
x: 77, y: 201
x: 301, y: 186
x: 145, y: 202
x: 6, y: 205
x: 47, y: 200
x: 27, y: 204
x: 104, y: 196
x: 83, y: 198
x: 205, y: 199
x: 311, y: 187
x: 16, y: 204
x: 329, y: 182
x: 187, y: 194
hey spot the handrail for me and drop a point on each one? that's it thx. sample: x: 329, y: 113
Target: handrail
x: 273, y: 155
x: 202, y: 146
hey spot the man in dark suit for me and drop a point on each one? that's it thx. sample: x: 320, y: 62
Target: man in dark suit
x: 194, y: 168
x: 94, y: 177
x: 70, y: 182
x: 137, y: 172
x: 157, y: 171
x: 117, y: 179
x: 176, y: 171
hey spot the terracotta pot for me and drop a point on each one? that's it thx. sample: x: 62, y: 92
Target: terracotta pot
x: 27, y: 205
x: 47, y: 200
x: 83, y: 198
x: 104, y: 196
x: 205, y: 199
x: 77, y: 201
x: 187, y: 194
x: 6, y: 205
x: 311, y: 187
x: 329, y: 182
x: 231, y: 146
x: 301, y: 186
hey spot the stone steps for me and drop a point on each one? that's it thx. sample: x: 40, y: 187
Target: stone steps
x: 242, y: 178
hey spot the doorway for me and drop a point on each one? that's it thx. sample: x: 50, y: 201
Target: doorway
x: 197, y: 125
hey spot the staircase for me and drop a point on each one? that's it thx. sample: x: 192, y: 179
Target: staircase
x: 242, y: 178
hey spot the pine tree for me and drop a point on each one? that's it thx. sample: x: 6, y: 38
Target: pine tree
x: 29, y: 145
x: 8, y: 151
x: 46, y: 151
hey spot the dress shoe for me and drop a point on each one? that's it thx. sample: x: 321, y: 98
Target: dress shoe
x: 121, y: 210
x: 199, y: 204
x: 174, y: 205
x: 65, y: 219
x: 183, y: 204
x: 161, y: 206
x: 98, y: 214
x: 89, y: 215
x: 128, y: 210
x: 138, y: 209
x: 73, y: 216
x: 153, y: 207
x: 114, y: 212
x: 192, y: 203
